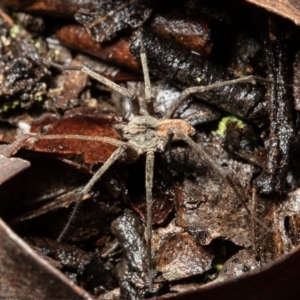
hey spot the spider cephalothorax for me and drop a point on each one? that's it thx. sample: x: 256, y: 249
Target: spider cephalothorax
x: 146, y: 133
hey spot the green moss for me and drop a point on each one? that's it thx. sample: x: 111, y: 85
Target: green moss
x: 39, y: 95
x: 218, y: 267
x: 5, y: 108
x: 217, y: 264
x: 37, y: 45
x: 56, y: 52
x: 223, y: 124
x: 14, y: 31
x: 10, y: 106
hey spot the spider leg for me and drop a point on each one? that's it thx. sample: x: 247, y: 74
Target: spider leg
x: 167, y: 140
x: 201, y: 89
x: 149, y: 199
x: 107, y: 140
x: 218, y: 170
x: 115, y: 156
x: 147, y: 104
x: 252, y: 208
x: 123, y: 91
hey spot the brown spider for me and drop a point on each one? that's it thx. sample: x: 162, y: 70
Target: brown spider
x: 145, y: 134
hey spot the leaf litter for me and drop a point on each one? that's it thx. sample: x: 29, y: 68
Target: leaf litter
x: 204, y: 216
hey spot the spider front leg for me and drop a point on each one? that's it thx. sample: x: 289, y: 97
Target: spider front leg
x: 123, y: 91
x: 147, y: 104
x: 202, y: 89
x: 115, y: 156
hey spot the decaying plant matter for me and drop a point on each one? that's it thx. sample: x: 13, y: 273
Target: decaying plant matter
x: 102, y: 122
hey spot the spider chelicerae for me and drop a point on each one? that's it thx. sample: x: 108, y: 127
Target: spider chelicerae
x: 145, y: 135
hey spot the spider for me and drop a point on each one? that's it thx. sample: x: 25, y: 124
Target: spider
x: 145, y: 135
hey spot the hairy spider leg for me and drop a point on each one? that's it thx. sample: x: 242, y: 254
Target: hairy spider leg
x: 123, y: 91
x: 218, y: 170
x: 201, y: 89
x: 115, y: 156
x: 146, y: 106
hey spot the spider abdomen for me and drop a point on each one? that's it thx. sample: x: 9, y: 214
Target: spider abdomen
x: 164, y: 126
